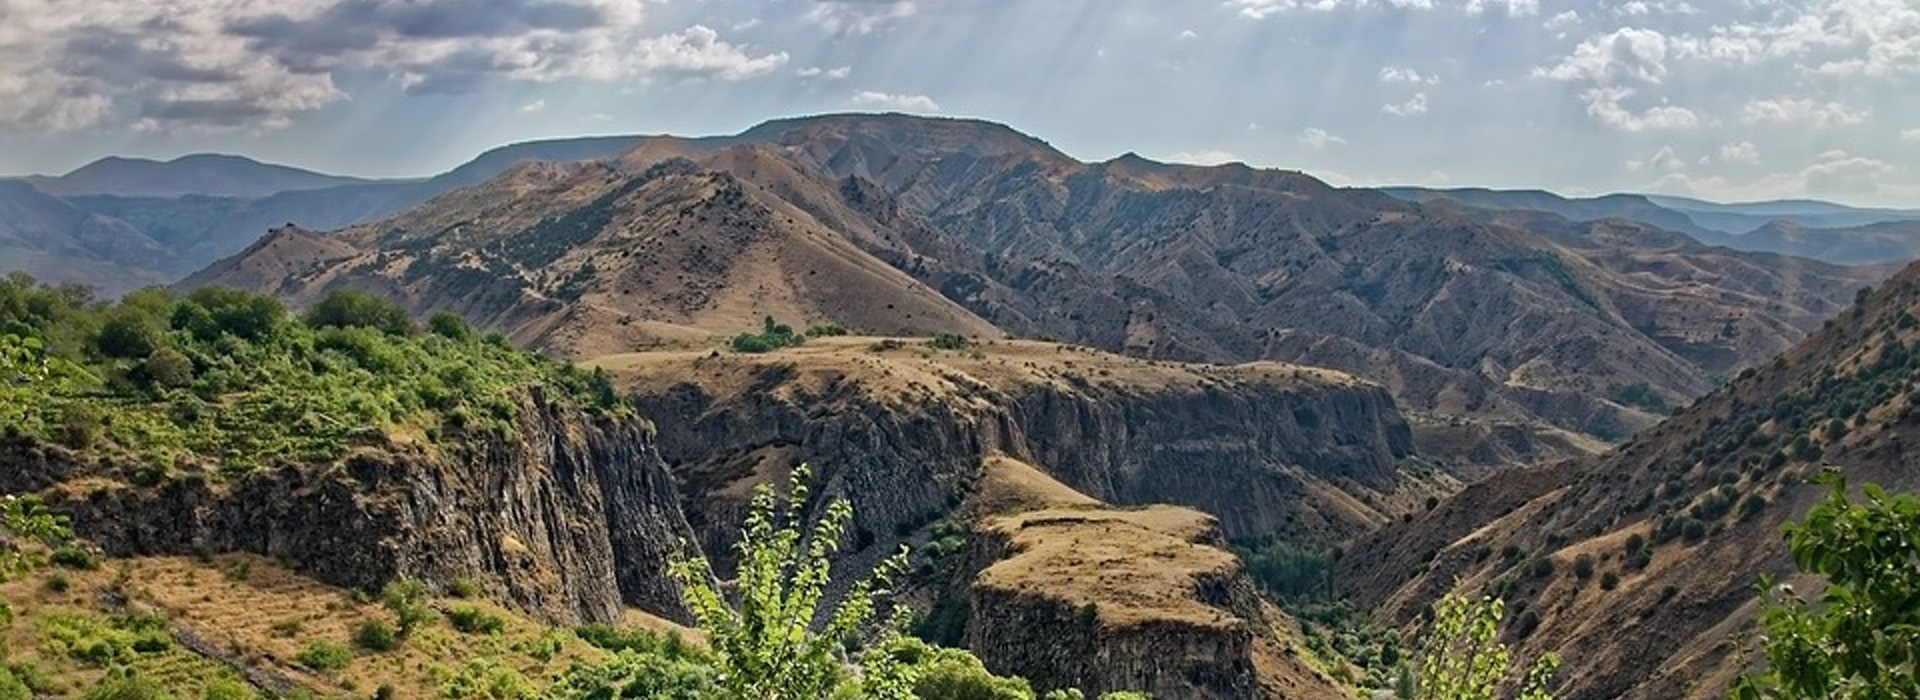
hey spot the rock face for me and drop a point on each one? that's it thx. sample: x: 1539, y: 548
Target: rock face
x: 1269, y: 449
x: 572, y: 517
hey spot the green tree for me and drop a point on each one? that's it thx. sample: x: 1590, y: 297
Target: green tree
x: 1862, y: 642
x: 449, y: 325
x: 1462, y: 657
x: 23, y: 519
x: 765, y: 643
x: 352, y: 308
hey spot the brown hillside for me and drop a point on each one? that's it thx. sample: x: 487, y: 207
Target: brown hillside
x: 1706, y: 490
x: 588, y: 260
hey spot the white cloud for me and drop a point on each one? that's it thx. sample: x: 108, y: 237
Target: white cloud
x: 1742, y: 152
x: 1830, y: 174
x: 1788, y: 110
x: 900, y: 102
x: 533, y: 107
x: 839, y: 73
x: 1562, y: 21
x: 1415, y: 106
x: 601, y: 117
x: 202, y: 65
x: 1604, y: 105
x: 1317, y: 138
x: 1207, y: 157
x: 1513, y: 8
x: 1186, y: 35
x: 1262, y: 9
x: 1625, y: 53
x: 1910, y: 135
x: 1664, y: 159
x: 1642, y: 8
x: 1390, y: 74
x: 697, y: 52
x: 859, y: 16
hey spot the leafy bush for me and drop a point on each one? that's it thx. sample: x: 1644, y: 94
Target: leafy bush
x: 472, y: 620
x: 350, y: 308
x: 1461, y: 657
x: 133, y: 687
x: 949, y: 341
x: 1583, y: 567
x: 782, y: 579
x: 72, y: 557
x: 377, y: 636
x: 322, y: 655
x: 463, y: 588
x: 407, y: 600
x: 772, y: 336
x: 450, y: 326
x: 1863, y: 638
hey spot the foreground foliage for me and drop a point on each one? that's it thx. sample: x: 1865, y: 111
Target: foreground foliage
x: 1862, y: 642
x: 1462, y: 657
x: 227, y: 378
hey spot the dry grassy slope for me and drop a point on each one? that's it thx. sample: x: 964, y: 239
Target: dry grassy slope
x: 900, y: 427
x: 1173, y: 611
x: 241, y: 617
x: 593, y: 259
x: 1666, y: 631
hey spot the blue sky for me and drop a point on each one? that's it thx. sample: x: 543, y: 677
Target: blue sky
x: 1725, y: 99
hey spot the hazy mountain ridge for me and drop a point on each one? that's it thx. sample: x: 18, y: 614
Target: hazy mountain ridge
x: 208, y: 174
x: 1826, y: 231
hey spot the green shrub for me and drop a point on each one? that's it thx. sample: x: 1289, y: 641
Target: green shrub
x: 949, y: 341
x: 349, y: 308
x: 73, y: 557
x: 407, y: 600
x: 377, y: 636
x: 1583, y: 567
x: 1609, y: 581
x: 472, y: 620
x: 227, y: 689
x: 772, y: 336
x: 322, y: 655
x: 450, y: 326
x: 133, y: 687
x: 463, y: 588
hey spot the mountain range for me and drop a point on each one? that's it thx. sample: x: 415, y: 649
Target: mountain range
x: 1556, y: 334
x: 1209, y: 432
x: 1807, y: 228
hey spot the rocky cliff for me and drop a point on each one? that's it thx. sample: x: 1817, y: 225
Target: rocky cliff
x: 901, y: 429
x: 569, y: 516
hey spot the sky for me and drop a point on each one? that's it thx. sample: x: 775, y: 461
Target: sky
x: 1720, y: 99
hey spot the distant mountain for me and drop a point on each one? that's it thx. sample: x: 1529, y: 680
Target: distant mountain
x: 1822, y: 230
x: 196, y: 229
x: 56, y: 242
x: 1882, y: 242
x: 1632, y: 207
x: 1675, y: 526
x: 200, y: 174
x: 1576, y: 331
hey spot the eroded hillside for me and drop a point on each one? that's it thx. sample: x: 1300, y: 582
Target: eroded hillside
x: 1552, y: 337
x: 1638, y: 566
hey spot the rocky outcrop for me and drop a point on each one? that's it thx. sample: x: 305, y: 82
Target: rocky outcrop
x: 569, y: 516
x: 1109, y: 600
x: 1268, y: 449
